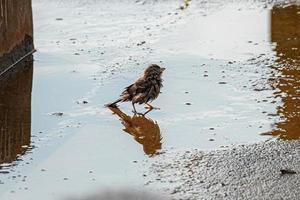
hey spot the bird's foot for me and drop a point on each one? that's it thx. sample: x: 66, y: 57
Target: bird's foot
x: 137, y: 113
x: 150, y: 107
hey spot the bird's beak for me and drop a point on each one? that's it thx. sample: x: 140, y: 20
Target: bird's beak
x: 162, y: 69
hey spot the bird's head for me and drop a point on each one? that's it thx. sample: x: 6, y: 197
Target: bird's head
x: 154, y: 69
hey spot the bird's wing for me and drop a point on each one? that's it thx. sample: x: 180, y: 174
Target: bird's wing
x: 140, y: 86
x: 133, y: 89
x: 147, y: 91
x: 139, y: 90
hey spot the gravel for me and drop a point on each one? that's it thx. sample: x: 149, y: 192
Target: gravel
x: 241, y: 172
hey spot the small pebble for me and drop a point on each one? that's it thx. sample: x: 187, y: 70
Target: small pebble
x: 58, y: 114
x: 287, y: 171
x: 141, y: 43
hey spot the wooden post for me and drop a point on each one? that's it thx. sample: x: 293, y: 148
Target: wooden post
x: 16, y: 31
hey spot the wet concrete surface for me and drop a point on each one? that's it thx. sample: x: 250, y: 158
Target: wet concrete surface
x: 260, y: 171
x: 220, y: 89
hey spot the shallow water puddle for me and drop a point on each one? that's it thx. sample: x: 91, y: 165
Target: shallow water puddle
x: 262, y: 50
x: 232, y: 75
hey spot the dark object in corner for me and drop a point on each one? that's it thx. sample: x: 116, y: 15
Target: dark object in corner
x: 287, y: 171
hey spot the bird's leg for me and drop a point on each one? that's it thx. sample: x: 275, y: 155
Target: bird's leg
x: 147, y: 112
x: 150, y: 107
x: 134, y: 110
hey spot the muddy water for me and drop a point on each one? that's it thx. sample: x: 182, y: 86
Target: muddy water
x: 231, y: 78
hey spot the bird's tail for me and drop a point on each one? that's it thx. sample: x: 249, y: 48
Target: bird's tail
x: 114, y: 104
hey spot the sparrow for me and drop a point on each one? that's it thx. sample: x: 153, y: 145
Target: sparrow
x: 143, y: 90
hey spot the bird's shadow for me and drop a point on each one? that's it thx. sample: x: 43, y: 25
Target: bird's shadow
x: 144, y: 130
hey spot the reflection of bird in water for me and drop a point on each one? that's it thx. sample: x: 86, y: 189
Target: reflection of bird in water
x: 144, y: 130
x: 143, y: 90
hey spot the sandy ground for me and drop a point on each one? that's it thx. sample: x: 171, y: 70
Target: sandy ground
x: 227, y: 83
